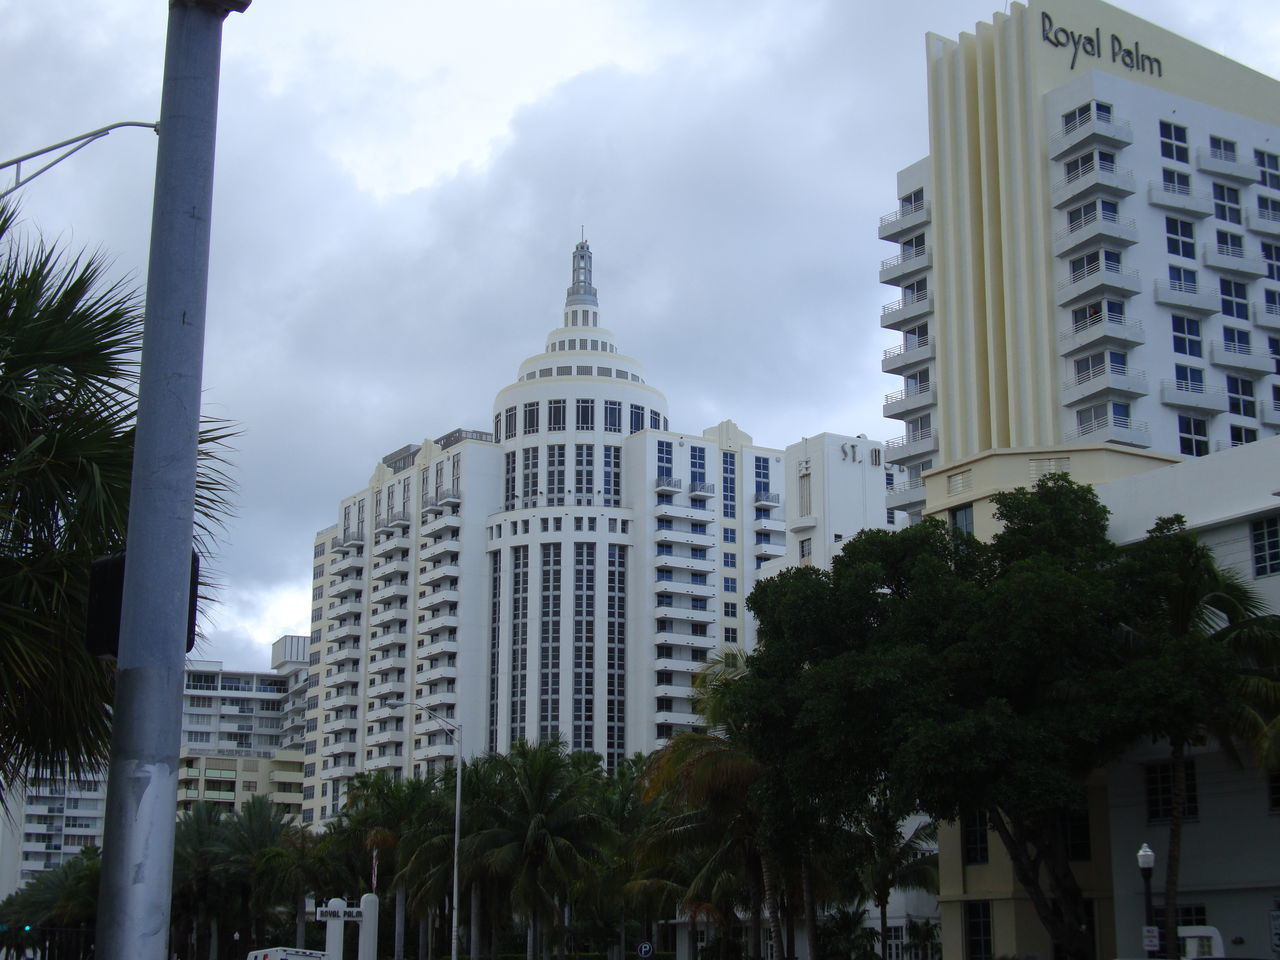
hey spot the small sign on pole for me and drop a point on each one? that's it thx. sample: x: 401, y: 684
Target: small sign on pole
x: 644, y: 950
x: 1150, y: 938
x: 339, y: 913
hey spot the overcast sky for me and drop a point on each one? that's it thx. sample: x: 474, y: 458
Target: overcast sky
x: 400, y: 184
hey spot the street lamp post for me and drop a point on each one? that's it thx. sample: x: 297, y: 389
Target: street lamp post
x: 1146, y: 862
x: 455, y: 734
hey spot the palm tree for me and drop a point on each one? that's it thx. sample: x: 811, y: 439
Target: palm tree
x: 197, y: 873
x: 298, y: 865
x: 891, y: 857
x: 541, y: 834
x: 69, y: 342
x: 1203, y: 629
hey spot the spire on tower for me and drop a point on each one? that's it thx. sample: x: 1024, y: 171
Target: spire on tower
x: 581, y: 293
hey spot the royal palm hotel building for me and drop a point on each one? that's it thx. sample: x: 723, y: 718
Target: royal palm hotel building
x: 1088, y: 277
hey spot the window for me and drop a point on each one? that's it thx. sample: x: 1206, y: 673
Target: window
x: 1082, y: 114
x: 977, y: 927
x: 1268, y: 168
x: 665, y: 459
x: 612, y: 491
x: 1230, y: 244
x: 1236, y: 340
x: 1092, y: 262
x: 729, y: 485
x: 1173, y: 142
x: 531, y: 417
x: 730, y: 560
x: 509, y: 423
x: 1088, y: 213
x: 962, y: 518
x: 912, y: 202
x: 613, y: 416
x: 584, y: 475
x: 1273, y: 345
x: 730, y: 584
x: 1266, y: 546
x: 806, y: 548
x: 1182, y: 280
x: 555, y: 475
x: 762, y: 474
x: 730, y: 634
x: 1235, y: 299
x: 1222, y: 149
x: 973, y: 837
x: 1086, y: 163
x: 913, y: 247
x: 1193, y: 436
x: 1177, y: 182
x: 1186, y: 336
x: 697, y: 464
x: 1159, y: 782
x: 555, y: 414
x: 655, y: 420
x: 730, y: 609
x: 1271, y: 255
x: 730, y: 535
x: 1180, y: 237
x: 1242, y: 435
x: 637, y: 417
x: 1226, y: 203
x: 586, y: 414
x: 1240, y: 397
x: 1096, y: 312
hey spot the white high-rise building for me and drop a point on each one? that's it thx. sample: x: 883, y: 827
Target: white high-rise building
x: 564, y: 575
x: 1088, y: 260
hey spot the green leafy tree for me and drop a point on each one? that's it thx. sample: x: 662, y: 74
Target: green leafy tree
x: 891, y: 857
x: 298, y: 865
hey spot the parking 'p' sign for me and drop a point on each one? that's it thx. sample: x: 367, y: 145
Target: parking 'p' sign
x: 644, y: 950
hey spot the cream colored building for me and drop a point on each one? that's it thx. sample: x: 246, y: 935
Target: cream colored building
x: 1088, y: 260
x: 1088, y: 276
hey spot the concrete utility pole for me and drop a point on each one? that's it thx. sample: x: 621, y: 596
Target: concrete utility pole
x: 137, y: 869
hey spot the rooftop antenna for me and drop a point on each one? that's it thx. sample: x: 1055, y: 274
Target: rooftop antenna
x: 583, y: 236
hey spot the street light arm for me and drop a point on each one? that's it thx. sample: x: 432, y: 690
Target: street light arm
x: 74, y: 143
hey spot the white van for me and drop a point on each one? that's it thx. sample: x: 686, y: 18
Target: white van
x: 287, y: 953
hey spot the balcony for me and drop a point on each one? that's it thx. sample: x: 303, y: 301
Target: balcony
x: 391, y: 570
x: 444, y: 597
x: 906, y: 220
x: 388, y: 687
x: 345, y: 608
x: 340, y: 723
x: 1235, y: 357
x: 697, y: 512
x: 384, y: 641
x: 342, y: 654
x: 679, y: 666
x: 907, y: 495
x: 1098, y: 279
x: 440, y: 573
x: 701, y: 490
x: 671, y: 562
x: 768, y: 525
x: 444, y: 500
x: 1095, y: 228
x: 437, y: 525
x: 344, y: 674
x: 334, y: 749
x: 904, y: 312
x: 1101, y: 179
x: 353, y: 536
x: 1186, y: 296
x: 900, y: 403
x: 442, y: 621
x: 1178, y: 199
x: 685, y: 538
x: 683, y: 588
x: 1265, y: 315
x: 1263, y: 221
x: 342, y: 701
x: 666, y: 484
x: 1108, y: 429
x: 385, y: 592
x: 390, y: 545
x: 1193, y: 396
x: 1269, y: 413
x: 909, y: 354
x: 685, y: 615
x: 390, y: 615
x: 769, y: 550
x: 1104, y: 329
x: 1228, y: 259
x: 346, y: 587
x: 381, y: 737
x: 914, y: 444
x: 1108, y: 378
x: 386, y: 762
x: 395, y: 663
x: 351, y: 563
x: 906, y: 264
x: 1226, y: 164
x: 764, y: 500
x: 439, y: 550
x: 1092, y: 131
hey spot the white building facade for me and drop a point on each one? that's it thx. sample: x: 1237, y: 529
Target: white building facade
x: 563, y: 575
x: 1090, y: 255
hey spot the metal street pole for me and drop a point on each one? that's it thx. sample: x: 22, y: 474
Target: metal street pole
x: 455, y: 732
x: 142, y: 786
x: 1146, y: 863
